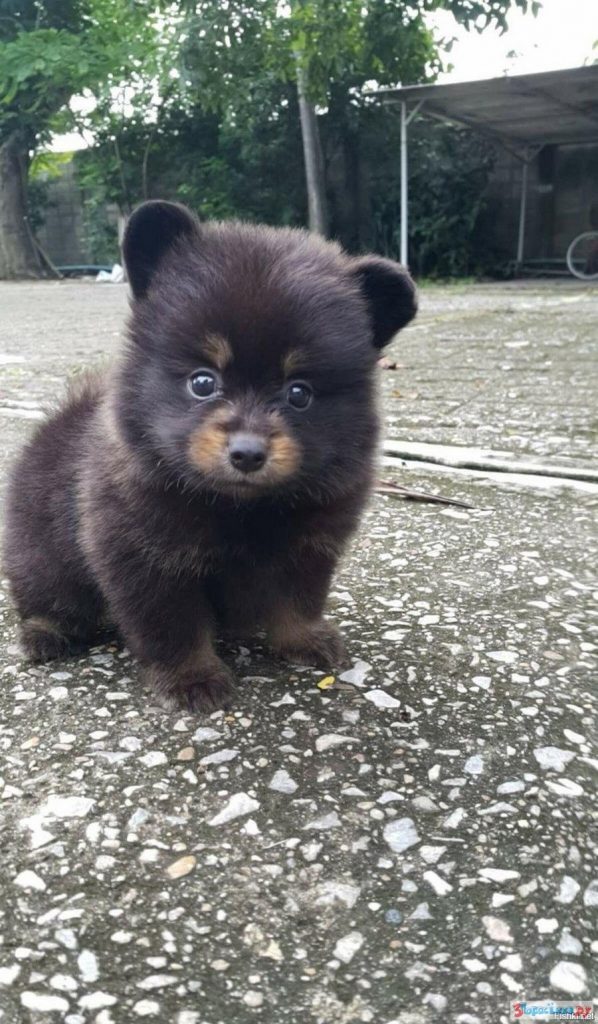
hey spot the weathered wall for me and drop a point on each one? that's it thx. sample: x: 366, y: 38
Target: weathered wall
x: 562, y: 199
x: 562, y: 202
x: 63, y: 233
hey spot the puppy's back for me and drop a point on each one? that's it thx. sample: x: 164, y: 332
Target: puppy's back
x: 41, y: 513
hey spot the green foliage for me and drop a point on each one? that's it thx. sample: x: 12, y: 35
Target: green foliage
x: 196, y: 100
x: 100, y: 237
x: 229, y: 44
x: 46, y: 166
x: 249, y: 168
x: 449, y: 211
x: 449, y: 208
x: 40, y: 202
x: 43, y: 170
x: 232, y: 48
x: 51, y: 50
x: 253, y: 170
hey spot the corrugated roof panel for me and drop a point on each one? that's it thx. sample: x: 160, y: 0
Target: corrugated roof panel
x: 553, y: 106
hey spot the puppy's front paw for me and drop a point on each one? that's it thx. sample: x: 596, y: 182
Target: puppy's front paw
x: 43, y: 640
x: 204, y: 689
x: 319, y: 644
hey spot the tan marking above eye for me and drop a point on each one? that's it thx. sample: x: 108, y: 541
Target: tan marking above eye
x: 293, y: 362
x: 217, y: 349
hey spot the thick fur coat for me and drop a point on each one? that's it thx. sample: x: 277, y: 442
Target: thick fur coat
x: 209, y: 483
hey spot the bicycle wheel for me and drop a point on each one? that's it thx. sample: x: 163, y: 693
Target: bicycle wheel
x: 582, y: 256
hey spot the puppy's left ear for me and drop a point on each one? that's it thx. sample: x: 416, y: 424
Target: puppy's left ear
x: 390, y: 294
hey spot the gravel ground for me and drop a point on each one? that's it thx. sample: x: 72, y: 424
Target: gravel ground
x: 415, y: 842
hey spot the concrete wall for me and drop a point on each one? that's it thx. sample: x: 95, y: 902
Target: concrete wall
x: 562, y: 199
x: 63, y: 233
x: 562, y: 202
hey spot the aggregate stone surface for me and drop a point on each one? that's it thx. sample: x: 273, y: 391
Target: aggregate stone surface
x: 415, y: 842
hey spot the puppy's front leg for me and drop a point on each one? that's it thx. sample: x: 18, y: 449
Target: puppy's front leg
x: 168, y: 626
x: 297, y: 630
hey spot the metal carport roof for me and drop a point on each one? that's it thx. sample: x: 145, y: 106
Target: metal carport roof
x: 523, y: 112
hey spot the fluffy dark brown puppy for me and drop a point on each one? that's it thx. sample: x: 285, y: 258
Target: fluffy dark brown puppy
x: 212, y: 480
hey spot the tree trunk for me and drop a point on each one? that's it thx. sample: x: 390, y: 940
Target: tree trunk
x: 365, y: 218
x: 341, y: 182
x: 18, y: 253
x: 348, y: 174
x: 312, y: 155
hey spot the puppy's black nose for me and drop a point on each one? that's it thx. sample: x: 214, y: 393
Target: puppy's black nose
x: 247, y: 452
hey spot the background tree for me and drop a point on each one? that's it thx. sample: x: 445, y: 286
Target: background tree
x: 332, y: 48
x: 206, y: 109
x: 246, y: 164
x: 50, y: 51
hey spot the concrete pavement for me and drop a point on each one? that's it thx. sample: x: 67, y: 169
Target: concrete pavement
x: 416, y: 843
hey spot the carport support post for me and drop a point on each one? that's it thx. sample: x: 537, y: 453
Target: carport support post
x: 406, y: 119
x: 522, y: 209
x: 404, y: 204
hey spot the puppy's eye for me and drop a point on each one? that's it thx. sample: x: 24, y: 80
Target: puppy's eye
x: 203, y: 384
x: 299, y: 395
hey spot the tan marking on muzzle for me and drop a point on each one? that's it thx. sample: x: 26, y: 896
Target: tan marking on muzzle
x: 217, y: 349
x: 284, y: 453
x: 208, y: 447
x: 285, y: 456
x: 208, y: 444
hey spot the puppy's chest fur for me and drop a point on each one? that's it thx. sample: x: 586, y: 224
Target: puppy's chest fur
x: 254, y: 563
x: 233, y: 545
x: 242, y: 557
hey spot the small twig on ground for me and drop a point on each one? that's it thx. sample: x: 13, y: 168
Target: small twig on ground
x: 46, y: 259
x: 387, y: 487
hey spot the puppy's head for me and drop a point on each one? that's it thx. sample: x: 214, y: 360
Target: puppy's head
x: 251, y: 364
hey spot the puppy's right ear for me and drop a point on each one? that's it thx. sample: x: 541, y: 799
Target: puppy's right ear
x: 152, y: 229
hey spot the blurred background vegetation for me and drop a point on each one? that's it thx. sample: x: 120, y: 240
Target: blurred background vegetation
x: 199, y: 101
x: 254, y: 170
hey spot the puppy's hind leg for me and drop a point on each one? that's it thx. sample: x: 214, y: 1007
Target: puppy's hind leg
x: 60, y: 622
